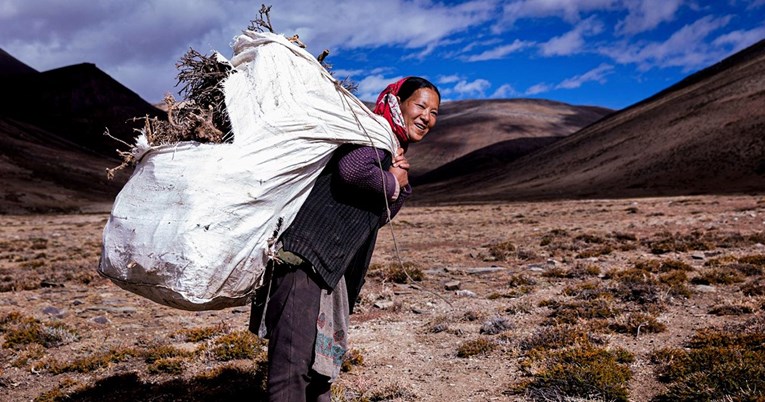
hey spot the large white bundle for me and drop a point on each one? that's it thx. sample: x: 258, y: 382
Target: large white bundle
x: 190, y: 229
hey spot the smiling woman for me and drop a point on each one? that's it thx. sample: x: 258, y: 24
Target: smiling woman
x: 324, y: 254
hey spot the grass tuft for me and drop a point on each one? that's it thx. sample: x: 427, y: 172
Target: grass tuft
x: 583, y: 371
x: 476, y: 347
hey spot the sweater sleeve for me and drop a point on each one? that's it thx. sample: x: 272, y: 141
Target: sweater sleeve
x: 359, y: 167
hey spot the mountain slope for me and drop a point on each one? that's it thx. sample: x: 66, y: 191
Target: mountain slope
x: 77, y: 102
x: 467, y: 126
x: 705, y: 134
x: 10, y: 65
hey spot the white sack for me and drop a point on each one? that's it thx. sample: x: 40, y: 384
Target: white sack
x: 190, y: 228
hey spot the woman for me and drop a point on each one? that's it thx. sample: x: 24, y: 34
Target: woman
x: 324, y: 255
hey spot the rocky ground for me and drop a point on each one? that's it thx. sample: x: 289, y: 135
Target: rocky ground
x: 571, y: 300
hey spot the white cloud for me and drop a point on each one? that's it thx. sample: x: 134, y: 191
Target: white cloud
x: 573, y: 41
x: 755, y: 3
x: 738, y: 40
x: 475, y: 88
x: 569, y: 10
x: 448, y: 79
x: 139, y: 35
x: 501, y: 51
x: 371, y: 86
x: 644, y: 15
x: 504, y: 91
x: 538, y: 89
x: 686, y: 48
x: 596, y: 74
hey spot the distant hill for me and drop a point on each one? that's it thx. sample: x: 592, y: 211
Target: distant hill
x: 465, y: 127
x: 53, y: 153
x: 77, y: 102
x: 9, y: 65
x: 706, y: 134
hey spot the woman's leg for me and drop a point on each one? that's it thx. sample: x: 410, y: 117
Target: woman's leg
x: 291, y: 316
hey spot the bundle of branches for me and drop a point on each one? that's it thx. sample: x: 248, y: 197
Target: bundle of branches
x: 201, y: 115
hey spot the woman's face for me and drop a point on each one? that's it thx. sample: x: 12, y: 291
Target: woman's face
x: 420, y: 111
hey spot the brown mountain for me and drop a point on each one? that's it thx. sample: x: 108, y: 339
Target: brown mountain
x: 706, y: 134
x: 53, y: 153
x: 468, y: 126
x: 77, y: 102
x: 10, y: 65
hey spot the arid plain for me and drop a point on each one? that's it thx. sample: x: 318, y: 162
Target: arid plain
x: 508, y: 298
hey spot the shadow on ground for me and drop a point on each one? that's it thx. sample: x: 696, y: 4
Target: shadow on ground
x: 230, y: 384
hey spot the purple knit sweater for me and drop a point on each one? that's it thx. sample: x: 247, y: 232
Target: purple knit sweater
x: 359, y: 167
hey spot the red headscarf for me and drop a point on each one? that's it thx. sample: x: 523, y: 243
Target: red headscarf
x: 387, y: 106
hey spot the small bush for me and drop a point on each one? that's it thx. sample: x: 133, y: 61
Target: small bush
x: 637, y: 285
x: 397, y: 273
x: 476, y: 347
x: 166, y: 366
x: 237, y: 345
x: 718, y: 276
x: 21, y: 330
x: 636, y: 324
x: 596, y: 252
x: 577, y: 311
x: 736, y: 308
x: 159, y: 352
x: 200, y: 334
x: 521, y: 280
x: 352, y: 358
x: 667, y: 242
x: 555, y: 272
x: 583, y: 371
x: 93, y: 362
x: 557, y: 337
x: 584, y: 271
x: 758, y: 259
x: 754, y: 288
x: 587, y: 291
x: 502, y: 251
x: 719, y: 365
x: 676, y: 281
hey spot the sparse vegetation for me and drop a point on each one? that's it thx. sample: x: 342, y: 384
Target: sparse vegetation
x: 476, y: 347
x: 583, y: 371
x: 238, y: 345
x: 397, y: 273
x: 637, y: 324
x: 726, y: 364
x: 591, y: 307
x: 20, y: 331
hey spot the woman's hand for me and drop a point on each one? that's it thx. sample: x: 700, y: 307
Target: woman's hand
x: 400, y: 168
x: 400, y: 161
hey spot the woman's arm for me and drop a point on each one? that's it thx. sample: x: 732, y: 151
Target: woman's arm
x: 359, y: 167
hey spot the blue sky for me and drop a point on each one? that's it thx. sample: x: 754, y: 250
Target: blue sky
x: 609, y: 53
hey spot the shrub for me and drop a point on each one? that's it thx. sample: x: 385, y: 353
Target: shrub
x: 719, y: 365
x: 502, y: 251
x: 21, y: 330
x: 736, y: 308
x: 556, y: 337
x: 637, y: 323
x: 718, y: 276
x: 166, y: 366
x: 352, y: 358
x: 397, y: 273
x: 476, y: 347
x: 237, y: 345
x: 200, y: 334
x: 583, y: 371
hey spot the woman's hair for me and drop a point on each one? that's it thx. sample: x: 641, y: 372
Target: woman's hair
x: 412, y: 84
